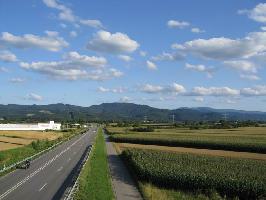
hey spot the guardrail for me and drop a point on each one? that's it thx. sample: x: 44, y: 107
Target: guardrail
x: 73, y: 190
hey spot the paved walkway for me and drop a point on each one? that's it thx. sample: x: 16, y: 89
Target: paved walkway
x: 123, y: 185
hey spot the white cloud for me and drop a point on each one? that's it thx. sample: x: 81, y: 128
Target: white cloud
x: 73, y: 34
x: 177, y: 24
x: 102, y: 89
x: 177, y: 88
x: 7, y: 56
x: 52, y: 33
x: 3, y: 69
x: 151, y: 65
x: 74, y: 67
x: 148, y: 88
x: 125, y: 58
x: 242, y: 65
x: 229, y: 101
x: 50, y: 42
x: 263, y: 28
x: 114, y: 90
x: 257, y: 14
x: 125, y: 99
x: 200, y: 68
x: 225, y: 48
x: 153, y: 89
x: 199, y: 99
x: 197, y: 30
x: 214, y: 91
x: 168, y: 57
x: 17, y: 80
x: 104, y: 41
x: 142, y: 53
x: 92, y: 23
x: 65, y: 13
x: 34, y: 97
x: 63, y: 25
x: 250, y: 77
x: 259, y: 90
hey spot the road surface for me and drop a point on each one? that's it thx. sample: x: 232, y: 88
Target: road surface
x: 49, y: 176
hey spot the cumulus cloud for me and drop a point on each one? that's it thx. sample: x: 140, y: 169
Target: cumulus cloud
x: 114, y: 90
x: 225, y: 48
x: 125, y: 58
x: 259, y: 90
x: 177, y: 24
x: 74, y: 67
x: 168, y: 57
x: 214, y: 91
x: 142, y: 53
x: 151, y: 65
x: 200, y: 68
x: 257, y: 14
x: 51, y: 42
x: 3, y: 69
x: 250, y: 77
x: 73, y: 34
x: 242, y: 65
x: 104, y: 41
x: 153, y: 89
x: 65, y: 13
x: 7, y: 56
x: 199, y: 99
x: 92, y: 23
x: 125, y: 99
x: 197, y: 30
x: 17, y: 80
x: 34, y: 97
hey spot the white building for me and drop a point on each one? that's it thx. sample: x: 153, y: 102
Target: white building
x: 31, y: 127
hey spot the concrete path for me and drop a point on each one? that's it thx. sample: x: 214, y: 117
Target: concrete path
x: 123, y: 185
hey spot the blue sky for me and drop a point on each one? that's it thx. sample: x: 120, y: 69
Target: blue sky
x: 166, y: 54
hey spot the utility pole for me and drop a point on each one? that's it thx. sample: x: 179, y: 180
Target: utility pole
x: 173, y: 117
x: 225, y: 116
x: 145, y: 118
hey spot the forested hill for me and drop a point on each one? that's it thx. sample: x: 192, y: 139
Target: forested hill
x: 119, y: 112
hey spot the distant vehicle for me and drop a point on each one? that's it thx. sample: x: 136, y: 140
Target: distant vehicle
x: 24, y: 165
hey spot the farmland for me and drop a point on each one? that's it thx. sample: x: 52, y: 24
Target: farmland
x: 240, y: 178
x: 240, y: 139
x: 179, y: 163
x: 14, y: 139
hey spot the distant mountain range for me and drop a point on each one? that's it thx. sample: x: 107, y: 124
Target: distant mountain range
x: 120, y: 112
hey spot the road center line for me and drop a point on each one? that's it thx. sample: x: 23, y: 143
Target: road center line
x: 42, y: 187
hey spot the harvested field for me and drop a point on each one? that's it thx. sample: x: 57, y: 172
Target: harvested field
x: 14, y: 139
x: 231, y: 154
x: 6, y: 146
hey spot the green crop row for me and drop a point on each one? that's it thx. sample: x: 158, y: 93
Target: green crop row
x: 242, y: 178
x: 218, y: 143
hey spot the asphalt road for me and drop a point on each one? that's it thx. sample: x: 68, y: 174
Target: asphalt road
x: 50, y: 176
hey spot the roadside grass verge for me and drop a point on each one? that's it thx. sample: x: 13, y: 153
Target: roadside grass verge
x: 11, y: 156
x: 95, y: 180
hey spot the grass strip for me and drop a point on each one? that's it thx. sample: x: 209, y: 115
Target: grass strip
x: 95, y: 180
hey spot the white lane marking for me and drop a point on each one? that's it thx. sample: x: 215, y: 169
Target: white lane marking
x: 42, y: 187
x: 68, y: 159
x: 59, y: 169
x: 38, y: 170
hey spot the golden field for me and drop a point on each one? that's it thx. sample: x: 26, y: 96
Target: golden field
x: 14, y: 139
